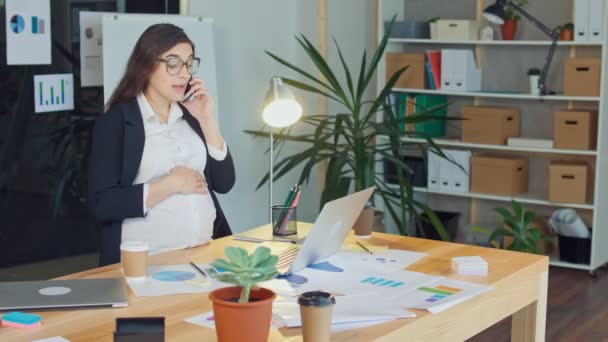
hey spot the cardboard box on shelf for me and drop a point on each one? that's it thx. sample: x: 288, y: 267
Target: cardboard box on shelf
x: 582, y: 77
x: 413, y: 77
x: 569, y: 182
x: 457, y: 30
x: 489, y: 125
x: 575, y: 129
x: 505, y: 176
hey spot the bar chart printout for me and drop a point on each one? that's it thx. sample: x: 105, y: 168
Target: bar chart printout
x: 53, y: 92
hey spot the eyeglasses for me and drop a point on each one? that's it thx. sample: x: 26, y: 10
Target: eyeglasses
x: 175, y: 65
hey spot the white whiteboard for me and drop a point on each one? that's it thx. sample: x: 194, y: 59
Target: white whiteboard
x: 121, y: 31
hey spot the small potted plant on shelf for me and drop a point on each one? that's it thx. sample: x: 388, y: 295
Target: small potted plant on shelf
x: 534, y: 76
x: 243, y: 312
x: 509, y: 28
x: 519, y: 232
x: 566, y: 32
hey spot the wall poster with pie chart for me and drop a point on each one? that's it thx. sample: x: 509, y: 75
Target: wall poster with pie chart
x: 28, y: 32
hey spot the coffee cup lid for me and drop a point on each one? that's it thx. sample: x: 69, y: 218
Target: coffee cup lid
x: 134, y: 246
x: 316, y: 298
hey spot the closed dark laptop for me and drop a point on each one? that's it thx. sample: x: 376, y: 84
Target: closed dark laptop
x: 51, y: 294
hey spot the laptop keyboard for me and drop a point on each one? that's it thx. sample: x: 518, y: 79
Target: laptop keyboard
x: 286, y: 257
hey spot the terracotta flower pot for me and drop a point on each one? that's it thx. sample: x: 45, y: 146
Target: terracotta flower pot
x: 365, y: 223
x: 236, y: 322
x: 566, y: 35
x: 509, y: 29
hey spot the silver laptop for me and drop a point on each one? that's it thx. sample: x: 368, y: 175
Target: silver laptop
x: 56, y: 294
x: 326, y: 235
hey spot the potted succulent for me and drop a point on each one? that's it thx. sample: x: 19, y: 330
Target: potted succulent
x: 509, y: 28
x: 566, y: 32
x: 519, y: 232
x: 534, y: 76
x: 243, y: 312
x: 351, y: 142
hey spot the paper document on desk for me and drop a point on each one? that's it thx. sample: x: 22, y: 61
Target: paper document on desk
x: 173, y: 279
x: 387, y: 261
x: 339, y: 272
x: 53, y: 339
x: 207, y: 320
x: 438, y: 292
x: 348, y: 309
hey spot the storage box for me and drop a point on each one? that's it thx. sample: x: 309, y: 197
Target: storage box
x: 409, y: 29
x: 489, y: 125
x: 457, y: 30
x: 574, y: 250
x: 575, y: 129
x: 417, y: 176
x: 506, y: 176
x: 426, y: 230
x: 582, y: 77
x: 569, y: 182
x: 413, y: 77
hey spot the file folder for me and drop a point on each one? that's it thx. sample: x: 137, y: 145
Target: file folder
x: 596, y: 20
x: 434, y: 168
x: 459, y: 71
x: 581, y: 20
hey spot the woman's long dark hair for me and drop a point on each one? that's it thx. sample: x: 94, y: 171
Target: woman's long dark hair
x: 156, y: 40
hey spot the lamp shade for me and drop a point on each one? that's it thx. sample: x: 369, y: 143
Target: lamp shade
x: 280, y: 106
x: 495, y: 13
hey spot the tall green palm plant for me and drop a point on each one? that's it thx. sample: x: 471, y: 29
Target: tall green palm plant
x: 348, y: 142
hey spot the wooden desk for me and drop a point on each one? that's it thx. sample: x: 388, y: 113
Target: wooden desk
x: 519, y: 281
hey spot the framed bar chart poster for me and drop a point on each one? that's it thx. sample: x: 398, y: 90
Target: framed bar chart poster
x: 28, y: 32
x: 53, y: 92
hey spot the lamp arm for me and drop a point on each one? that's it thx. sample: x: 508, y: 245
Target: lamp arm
x: 541, y: 26
x: 543, y: 75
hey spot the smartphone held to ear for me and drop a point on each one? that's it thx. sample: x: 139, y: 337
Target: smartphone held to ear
x: 189, y: 97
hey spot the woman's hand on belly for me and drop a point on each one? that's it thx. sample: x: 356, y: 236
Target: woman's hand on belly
x: 184, y: 180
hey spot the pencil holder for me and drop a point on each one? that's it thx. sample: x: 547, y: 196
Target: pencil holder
x: 284, y: 220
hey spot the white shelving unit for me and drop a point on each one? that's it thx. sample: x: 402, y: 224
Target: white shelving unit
x: 459, y: 144
x: 492, y: 42
x: 598, y: 210
x: 498, y: 95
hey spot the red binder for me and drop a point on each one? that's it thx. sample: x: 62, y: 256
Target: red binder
x: 434, y: 58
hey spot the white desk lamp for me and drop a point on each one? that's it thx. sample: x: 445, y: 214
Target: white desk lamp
x: 280, y: 110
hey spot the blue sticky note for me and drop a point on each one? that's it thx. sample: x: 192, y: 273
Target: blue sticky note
x: 21, y: 318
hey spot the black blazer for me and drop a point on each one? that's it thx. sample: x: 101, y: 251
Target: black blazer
x: 116, y: 152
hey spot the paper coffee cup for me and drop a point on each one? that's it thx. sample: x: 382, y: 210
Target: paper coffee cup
x: 134, y: 258
x: 316, y: 309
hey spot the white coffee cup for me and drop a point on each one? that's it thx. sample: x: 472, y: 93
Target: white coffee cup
x: 134, y: 256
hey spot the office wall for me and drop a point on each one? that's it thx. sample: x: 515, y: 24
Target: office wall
x: 242, y: 33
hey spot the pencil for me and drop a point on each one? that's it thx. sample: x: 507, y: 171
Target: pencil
x: 200, y: 270
x: 366, y: 249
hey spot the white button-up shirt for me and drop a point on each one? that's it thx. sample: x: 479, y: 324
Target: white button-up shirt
x: 181, y: 220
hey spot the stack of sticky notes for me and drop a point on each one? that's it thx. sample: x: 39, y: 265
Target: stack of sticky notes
x: 21, y: 320
x: 470, y: 265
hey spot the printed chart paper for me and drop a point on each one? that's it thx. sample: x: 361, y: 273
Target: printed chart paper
x: 28, y: 32
x: 173, y: 279
x: 53, y: 92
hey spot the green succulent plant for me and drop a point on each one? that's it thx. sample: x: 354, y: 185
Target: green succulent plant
x: 245, y: 270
